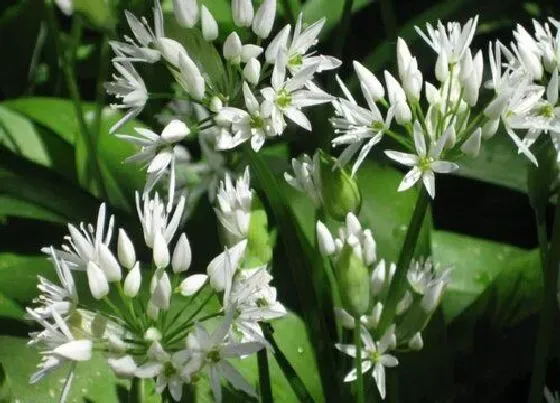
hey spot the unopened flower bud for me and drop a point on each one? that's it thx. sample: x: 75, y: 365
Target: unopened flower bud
x: 209, y: 25
x: 378, y: 278
x: 132, y: 281
x: 369, y: 83
x: 124, y: 367
x: 369, y: 248
x: 243, y: 12
x: 471, y: 146
x: 442, y: 67
x: 404, y: 303
x: 416, y: 343
x: 340, y: 192
x: 249, y: 52
x: 108, y: 263
x: 389, y: 339
x: 264, y: 19
x: 451, y: 136
x: 324, y: 239
x: 190, y: 77
x: 182, y: 255
x: 171, y: 51
x: 232, y: 48
x: 192, y: 284
x: 490, y: 128
x: 352, y: 278
x: 403, y: 114
x: 125, y: 250
x: 216, y: 104
x: 186, y: 12
x: 98, y: 284
x: 344, y: 318
x: 161, y: 296
x: 432, y: 94
x: 252, y: 71
x: 161, y: 252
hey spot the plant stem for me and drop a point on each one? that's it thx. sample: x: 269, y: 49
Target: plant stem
x: 551, y: 263
x: 407, y: 251
x: 264, y: 377
x: 360, y: 376
x: 137, y: 391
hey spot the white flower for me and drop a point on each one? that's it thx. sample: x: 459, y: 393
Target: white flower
x: 182, y: 255
x: 422, y: 275
x: 154, y: 218
x: 133, y: 281
x: 65, y: 6
x: 124, y: 366
x: 264, y: 19
x: 374, y: 355
x: 223, y: 267
x: 280, y: 42
x: 527, y: 53
x: 471, y: 76
x: 325, y: 239
x: 288, y: 96
x: 452, y: 40
x: 130, y: 89
x: 255, y: 123
x: 381, y: 277
x: 409, y: 74
x: 252, y: 71
x: 192, y: 284
x: 97, y: 281
x: 371, y: 87
x: 298, y: 51
x: 307, y: 177
x: 397, y: 99
x: 209, y: 25
x: 551, y: 397
x: 58, y: 347
x: 471, y: 146
x: 212, y: 351
x: 159, y: 153
x: 358, y: 128
x: 232, y: 48
x: 424, y: 163
x: 242, y: 11
x: 234, y: 207
x: 62, y: 298
x: 161, y: 290
x: 125, y: 250
x: 160, y: 251
x: 186, y: 12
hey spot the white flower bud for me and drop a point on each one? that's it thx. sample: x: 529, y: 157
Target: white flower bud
x: 124, y: 367
x: 249, y: 52
x: 404, y: 303
x: 344, y: 318
x: 531, y: 62
x: 432, y: 94
x: 182, y: 255
x: 125, y: 250
x: 264, y: 19
x: 416, y: 343
x: 403, y: 57
x: 115, y: 344
x: 161, y: 296
x: 451, y: 136
x: 403, y: 113
x: 369, y: 248
x: 232, y: 48
x: 132, y: 281
x: 75, y: 350
x: 378, y: 278
x: 152, y: 334
x: 471, y: 147
x: 353, y: 224
x: 210, y: 28
x: 372, y: 320
x: 186, y: 12
x: 442, y: 67
x: 242, y: 11
x: 490, y: 128
x: 324, y: 239
x: 497, y: 106
x: 109, y: 264
x: 171, y: 51
x: 190, y: 78
x: 369, y: 83
x: 389, y: 339
x: 216, y: 104
x: 161, y: 252
x: 175, y: 131
x: 432, y: 296
x: 252, y: 71
x: 279, y: 42
x: 192, y: 284
x: 98, y: 284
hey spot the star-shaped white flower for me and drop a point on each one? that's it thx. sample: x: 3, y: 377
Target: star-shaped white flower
x: 424, y: 163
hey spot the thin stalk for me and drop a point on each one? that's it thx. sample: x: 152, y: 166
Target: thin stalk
x: 73, y: 91
x: 550, y: 266
x: 407, y: 251
x: 360, y: 376
x: 264, y: 377
x: 137, y: 391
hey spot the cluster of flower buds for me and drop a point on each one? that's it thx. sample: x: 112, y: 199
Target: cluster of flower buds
x: 364, y: 283
x: 154, y: 328
x: 444, y: 131
x: 266, y: 83
x: 525, y: 81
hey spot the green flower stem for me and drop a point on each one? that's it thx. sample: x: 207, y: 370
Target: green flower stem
x: 264, y: 377
x: 137, y: 391
x: 70, y: 77
x: 551, y: 261
x: 407, y: 251
x: 360, y: 376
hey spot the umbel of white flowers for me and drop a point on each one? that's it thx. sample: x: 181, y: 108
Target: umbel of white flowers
x: 132, y: 327
x: 364, y: 283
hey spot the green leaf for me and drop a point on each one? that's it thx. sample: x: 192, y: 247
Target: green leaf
x: 10, y: 206
x: 18, y: 276
x: 6, y: 394
x: 94, y: 380
x: 483, y: 269
x: 9, y: 309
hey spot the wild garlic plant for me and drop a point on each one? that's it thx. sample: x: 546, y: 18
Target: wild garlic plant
x: 153, y: 321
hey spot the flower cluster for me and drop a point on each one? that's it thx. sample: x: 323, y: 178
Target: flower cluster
x: 435, y: 136
x: 364, y: 282
x: 262, y: 88
x: 150, y: 319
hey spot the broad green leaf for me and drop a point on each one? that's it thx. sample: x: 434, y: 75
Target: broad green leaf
x: 10, y: 206
x: 94, y: 380
x: 6, y: 395
x: 18, y: 276
x: 10, y: 309
x: 481, y: 268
